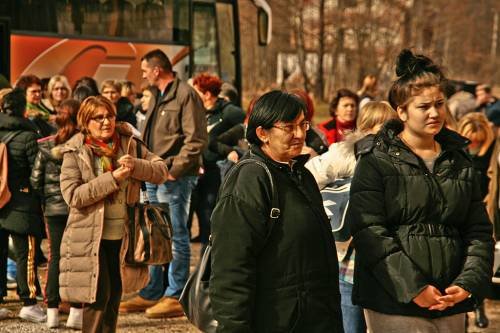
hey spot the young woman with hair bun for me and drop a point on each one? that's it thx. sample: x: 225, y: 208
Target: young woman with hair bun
x: 423, y: 240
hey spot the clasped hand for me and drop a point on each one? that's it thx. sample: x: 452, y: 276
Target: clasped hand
x: 432, y: 298
x: 127, y: 164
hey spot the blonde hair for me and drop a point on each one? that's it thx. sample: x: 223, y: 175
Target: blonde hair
x: 52, y: 82
x: 373, y: 114
x: 111, y: 84
x: 88, y: 109
x: 475, y: 126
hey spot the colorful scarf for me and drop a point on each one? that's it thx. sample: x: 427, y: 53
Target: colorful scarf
x: 106, y: 151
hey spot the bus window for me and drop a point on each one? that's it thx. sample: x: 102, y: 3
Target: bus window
x: 160, y: 21
x: 227, y: 47
x: 204, y: 41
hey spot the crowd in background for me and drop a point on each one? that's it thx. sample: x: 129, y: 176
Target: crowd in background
x: 199, y: 132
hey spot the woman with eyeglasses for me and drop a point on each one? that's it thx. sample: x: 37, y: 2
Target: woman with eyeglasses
x: 100, y: 176
x: 275, y: 274
x: 58, y: 90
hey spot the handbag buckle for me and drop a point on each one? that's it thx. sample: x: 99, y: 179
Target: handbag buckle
x: 275, y: 213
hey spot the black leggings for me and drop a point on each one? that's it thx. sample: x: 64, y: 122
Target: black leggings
x: 55, y: 229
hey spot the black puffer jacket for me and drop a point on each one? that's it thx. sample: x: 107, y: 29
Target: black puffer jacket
x: 221, y: 118
x: 22, y: 214
x: 45, y: 177
x: 413, y: 228
x: 287, y: 282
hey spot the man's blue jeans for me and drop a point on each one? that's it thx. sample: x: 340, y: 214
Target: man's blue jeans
x: 178, y: 196
x: 352, y: 315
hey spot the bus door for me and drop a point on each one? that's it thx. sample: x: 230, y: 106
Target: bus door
x: 215, y: 44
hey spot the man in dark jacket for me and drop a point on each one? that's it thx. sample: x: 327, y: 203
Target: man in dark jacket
x: 176, y: 130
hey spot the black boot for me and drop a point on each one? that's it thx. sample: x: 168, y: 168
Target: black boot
x: 481, y: 320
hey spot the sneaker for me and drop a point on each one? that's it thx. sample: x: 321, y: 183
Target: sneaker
x: 53, y: 318
x: 4, y: 313
x: 11, y: 282
x: 167, y: 307
x: 75, y: 319
x: 136, y: 304
x: 33, y: 313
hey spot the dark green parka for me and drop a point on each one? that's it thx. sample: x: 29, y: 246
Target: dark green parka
x: 412, y: 227
x: 288, y: 283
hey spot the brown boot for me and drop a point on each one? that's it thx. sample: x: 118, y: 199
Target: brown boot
x: 136, y: 304
x: 166, y: 307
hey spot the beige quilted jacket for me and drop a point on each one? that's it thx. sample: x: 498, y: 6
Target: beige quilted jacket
x: 84, y: 192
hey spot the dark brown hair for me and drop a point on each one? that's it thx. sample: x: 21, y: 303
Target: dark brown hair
x: 415, y: 72
x: 158, y: 58
x: 66, y: 121
x: 25, y: 81
x: 336, y: 99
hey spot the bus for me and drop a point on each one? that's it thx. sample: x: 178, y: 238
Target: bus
x: 105, y: 39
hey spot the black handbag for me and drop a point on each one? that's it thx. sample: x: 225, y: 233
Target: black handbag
x: 150, y: 231
x: 195, y: 299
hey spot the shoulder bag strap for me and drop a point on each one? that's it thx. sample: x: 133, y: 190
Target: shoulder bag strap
x: 143, y: 184
x: 9, y: 136
x: 275, y: 212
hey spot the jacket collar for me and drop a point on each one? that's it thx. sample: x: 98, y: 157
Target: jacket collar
x: 76, y: 144
x: 297, y: 162
x: 10, y: 123
x: 170, y: 90
x: 448, y: 139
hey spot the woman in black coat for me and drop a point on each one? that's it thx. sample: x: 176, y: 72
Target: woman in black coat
x: 21, y: 216
x: 279, y: 275
x: 45, y: 180
x: 424, y: 246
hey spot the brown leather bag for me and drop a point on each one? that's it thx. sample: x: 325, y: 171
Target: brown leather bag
x: 150, y: 231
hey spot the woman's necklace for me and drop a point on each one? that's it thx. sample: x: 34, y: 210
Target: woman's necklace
x: 435, y: 148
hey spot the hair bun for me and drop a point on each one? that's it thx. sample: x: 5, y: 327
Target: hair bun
x: 410, y: 65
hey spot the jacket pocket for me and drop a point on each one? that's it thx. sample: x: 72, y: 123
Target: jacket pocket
x: 436, y: 249
x: 169, y: 120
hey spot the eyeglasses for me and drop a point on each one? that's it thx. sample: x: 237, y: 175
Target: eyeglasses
x: 100, y: 118
x: 292, y: 128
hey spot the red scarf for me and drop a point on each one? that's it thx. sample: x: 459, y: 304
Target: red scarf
x: 343, y: 128
x: 106, y: 151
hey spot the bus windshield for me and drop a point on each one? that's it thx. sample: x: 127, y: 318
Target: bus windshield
x: 152, y: 20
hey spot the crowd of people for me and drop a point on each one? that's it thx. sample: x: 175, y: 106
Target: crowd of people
x: 422, y: 215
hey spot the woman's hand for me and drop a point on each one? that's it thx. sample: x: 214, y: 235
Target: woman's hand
x: 233, y: 156
x: 428, y: 297
x: 454, y: 295
x: 127, y: 161
x: 121, y: 173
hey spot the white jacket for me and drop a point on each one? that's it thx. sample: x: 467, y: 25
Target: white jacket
x: 338, y: 162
